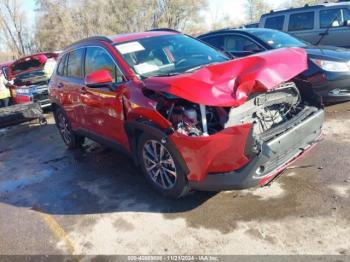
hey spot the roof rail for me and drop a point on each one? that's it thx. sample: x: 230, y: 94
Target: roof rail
x: 91, y: 38
x: 164, y: 29
x: 305, y: 7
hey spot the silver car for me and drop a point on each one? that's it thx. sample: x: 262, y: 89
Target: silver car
x: 326, y: 24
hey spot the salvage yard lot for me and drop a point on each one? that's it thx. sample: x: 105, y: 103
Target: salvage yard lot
x: 94, y: 201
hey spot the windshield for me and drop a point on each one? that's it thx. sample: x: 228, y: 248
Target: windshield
x: 277, y: 39
x: 168, y: 55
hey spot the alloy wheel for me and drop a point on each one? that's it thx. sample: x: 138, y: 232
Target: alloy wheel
x: 64, y: 128
x: 159, y: 164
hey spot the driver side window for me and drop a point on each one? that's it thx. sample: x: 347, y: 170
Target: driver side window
x: 336, y: 17
x: 235, y: 43
x: 97, y: 58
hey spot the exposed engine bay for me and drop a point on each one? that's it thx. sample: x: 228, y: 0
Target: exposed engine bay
x: 269, y: 113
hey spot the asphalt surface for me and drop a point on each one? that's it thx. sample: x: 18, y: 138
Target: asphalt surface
x: 94, y: 201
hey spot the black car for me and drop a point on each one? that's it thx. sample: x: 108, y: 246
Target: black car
x: 329, y: 67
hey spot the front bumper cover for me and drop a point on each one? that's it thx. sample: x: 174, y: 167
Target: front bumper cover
x: 36, y: 94
x: 335, y: 87
x: 274, y: 157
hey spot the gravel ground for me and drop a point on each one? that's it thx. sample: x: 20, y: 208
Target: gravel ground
x: 94, y: 201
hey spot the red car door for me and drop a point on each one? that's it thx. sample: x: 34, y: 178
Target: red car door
x: 72, y: 84
x: 102, y: 105
x: 67, y: 88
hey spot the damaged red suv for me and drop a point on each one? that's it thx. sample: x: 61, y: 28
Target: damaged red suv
x: 191, y: 118
x: 30, y: 76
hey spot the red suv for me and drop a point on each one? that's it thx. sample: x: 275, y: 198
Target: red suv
x: 191, y: 118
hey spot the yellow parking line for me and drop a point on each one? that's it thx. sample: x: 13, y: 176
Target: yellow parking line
x: 58, y: 231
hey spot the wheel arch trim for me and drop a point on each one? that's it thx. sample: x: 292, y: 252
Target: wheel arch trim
x: 135, y: 128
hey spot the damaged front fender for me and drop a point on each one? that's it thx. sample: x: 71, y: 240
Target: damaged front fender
x: 221, y: 152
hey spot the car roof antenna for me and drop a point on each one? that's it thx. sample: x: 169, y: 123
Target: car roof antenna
x: 328, y: 27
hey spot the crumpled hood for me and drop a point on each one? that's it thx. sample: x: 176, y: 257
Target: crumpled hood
x: 30, y: 63
x: 27, y: 64
x: 230, y: 83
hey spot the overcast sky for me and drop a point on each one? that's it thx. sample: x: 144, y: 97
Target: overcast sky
x: 236, y: 9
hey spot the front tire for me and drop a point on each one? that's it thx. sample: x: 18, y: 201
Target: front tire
x: 71, y: 139
x: 161, y: 167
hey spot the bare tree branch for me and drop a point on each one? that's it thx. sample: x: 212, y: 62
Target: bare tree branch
x: 13, y: 27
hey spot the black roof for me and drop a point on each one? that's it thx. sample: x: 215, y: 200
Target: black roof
x: 91, y: 38
x: 164, y: 29
x: 232, y: 30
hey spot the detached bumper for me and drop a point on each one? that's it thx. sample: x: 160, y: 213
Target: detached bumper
x: 274, y: 157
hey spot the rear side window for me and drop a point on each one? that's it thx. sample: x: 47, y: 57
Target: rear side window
x: 75, y: 59
x: 98, y: 58
x: 216, y: 41
x: 236, y: 43
x: 60, y: 68
x: 334, y: 17
x: 301, y: 21
x: 275, y: 22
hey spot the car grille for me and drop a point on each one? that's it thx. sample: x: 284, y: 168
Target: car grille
x: 41, y: 96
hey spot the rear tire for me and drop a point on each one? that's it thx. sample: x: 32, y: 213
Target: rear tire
x: 161, y: 167
x: 71, y: 139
